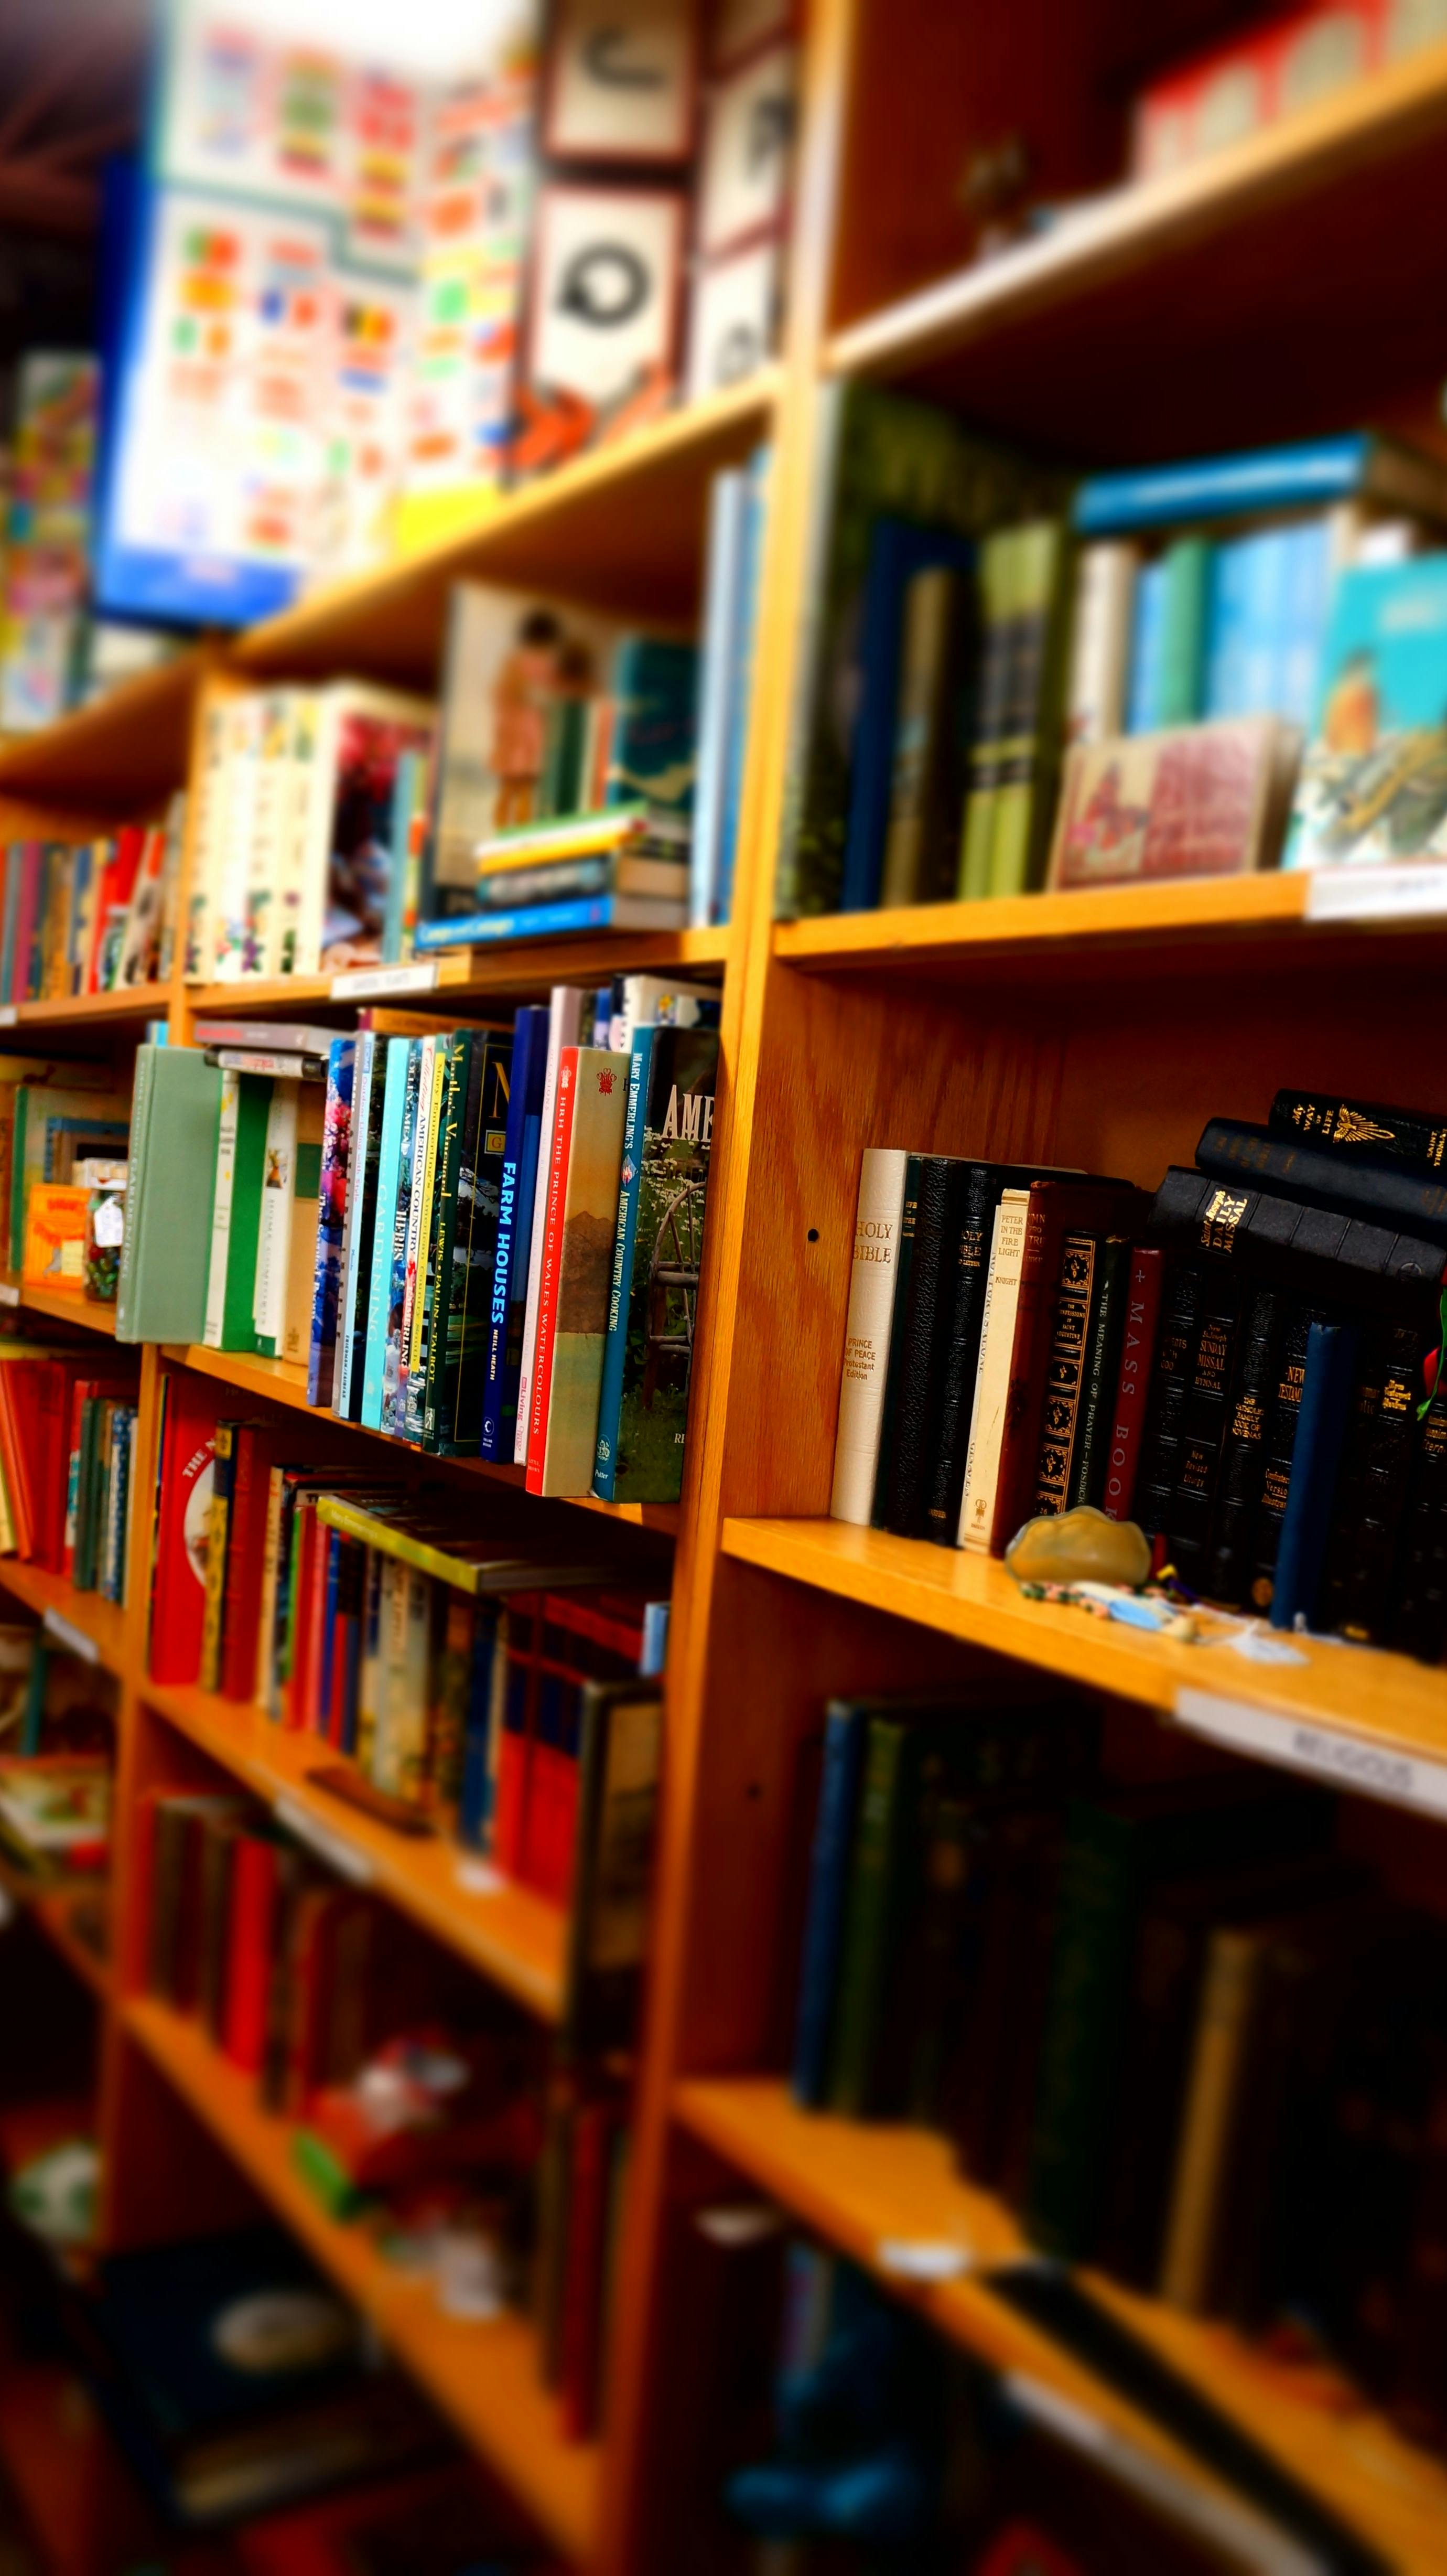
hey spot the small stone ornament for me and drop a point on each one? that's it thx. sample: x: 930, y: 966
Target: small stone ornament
x: 1082, y: 1546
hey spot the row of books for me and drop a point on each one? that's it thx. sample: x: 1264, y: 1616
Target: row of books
x: 1247, y: 1362
x: 973, y: 614
x: 1168, y: 2024
x: 90, y: 916
x: 53, y: 1117
x: 455, y: 1673
x: 67, y: 1440
x: 484, y: 1241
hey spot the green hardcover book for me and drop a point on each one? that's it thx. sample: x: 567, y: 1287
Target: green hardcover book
x: 238, y: 1329
x: 166, y: 1256
x: 1118, y: 1849
x: 663, y: 1265
x: 443, y: 1324
x: 904, y: 1266
x: 878, y: 453
x: 1182, y: 691
x: 1026, y: 758
x: 998, y: 574
x: 474, y: 1250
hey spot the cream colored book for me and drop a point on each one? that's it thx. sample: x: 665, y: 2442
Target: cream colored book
x: 1208, y: 2118
x: 992, y: 1371
x: 872, y: 1279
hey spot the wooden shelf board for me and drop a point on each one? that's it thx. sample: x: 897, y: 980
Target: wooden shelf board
x: 862, y: 2187
x: 104, y: 1622
x: 620, y: 528
x: 54, y: 1906
x: 1251, y: 920
x: 283, y: 1382
x: 85, y: 1010
x: 63, y: 1305
x: 1139, y: 294
x: 128, y: 750
x: 511, y: 1935
x: 1380, y: 1699
x: 471, y: 980
x: 483, y: 2377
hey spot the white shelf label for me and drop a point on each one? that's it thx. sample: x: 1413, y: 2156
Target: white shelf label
x: 480, y: 1878
x: 73, y: 1640
x: 338, y: 1854
x: 9, y: 1015
x: 9, y: 1292
x: 1387, y: 893
x: 922, y: 2258
x: 1328, y: 1753
x: 376, y: 983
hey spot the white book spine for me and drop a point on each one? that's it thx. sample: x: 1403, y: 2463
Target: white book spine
x: 221, y: 1211
x: 727, y: 512
x: 228, y: 920
x: 992, y: 1372
x: 313, y: 839
x: 1105, y: 577
x: 274, y: 1238
x: 564, y: 1029
x: 866, y: 1333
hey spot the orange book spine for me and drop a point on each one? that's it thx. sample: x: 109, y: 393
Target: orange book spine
x: 552, y: 1265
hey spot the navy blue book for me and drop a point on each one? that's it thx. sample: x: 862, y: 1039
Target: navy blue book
x: 844, y: 1737
x: 1326, y: 1396
x: 516, y: 1191
x: 898, y: 550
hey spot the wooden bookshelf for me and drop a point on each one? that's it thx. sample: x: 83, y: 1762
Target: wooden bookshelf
x: 82, y: 1621
x: 82, y: 1014
x: 468, y: 981
x: 484, y: 2377
x: 62, y: 1305
x: 118, y: 758
x: 513, y: 1937
x: 878, y: 2192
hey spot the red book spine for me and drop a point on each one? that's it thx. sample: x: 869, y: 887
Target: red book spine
x: 583, y: 2270
x: 313, y: 1715
x: 52, y: 1474
x: 12, y: 1462
x: 245, y: 1564
x: 248, y: 1964
x: 1137, y: 1351
x: 552, y: 1265
x: 1024, y: 1404
x: 514, y: 1751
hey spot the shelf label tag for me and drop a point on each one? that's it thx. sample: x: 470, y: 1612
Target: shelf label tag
x: 9, y: 1014
x: 1327, y: 1752
x: 338, y: 1854
x: 9, y: 1292
x: 922, y: 2258
x: 1386, y: 893
x: 480, y: 1878
x: 72, y: 1640
x: 375, y: 983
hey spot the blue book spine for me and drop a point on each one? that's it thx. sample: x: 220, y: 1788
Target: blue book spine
x: 1265, y: 621
x: 829, y: 1861
x: 897, y: 553
x: 474, y: 1821
x: 727, y: 529
x: 1227, y: 628
x: 1306, y: 606
x: 1326, y: 1395
x: 741, y: 684
x: 653, y: 748
x: 380, y: 1285
x: 331, y: 1218
x: 1318, y: 472
x: 352, y: 1231
x: 539, y: 921
x: 620, y: 1286
x: 654, y: 1659
x: 1148, y: 628
x: 514, y: 1224
x: 404, y: 798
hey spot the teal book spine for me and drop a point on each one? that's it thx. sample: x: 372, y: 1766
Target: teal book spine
x: 620, y: 1285
x: 389, y: 1155
x: 1181, y: 689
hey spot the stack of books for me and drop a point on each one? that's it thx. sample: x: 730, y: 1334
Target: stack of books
x: 622, y: 868
x: 1247, y: 1363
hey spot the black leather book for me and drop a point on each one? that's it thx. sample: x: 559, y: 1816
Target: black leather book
x: 1363, y: 1130
x: 1170, y: 1373
x: 1104, y: 1336
x: 1419, y: 1619
x: 1314, y: 1251
x: 1385, y: 1193
x: 1372, y: 1485
x: 936, y: 1222
x: 1075, y: 1295
x: 1224, y: 1294
x: 1227, y: 1572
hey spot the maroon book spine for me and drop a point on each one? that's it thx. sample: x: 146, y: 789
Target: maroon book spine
x: 1143, y: 1311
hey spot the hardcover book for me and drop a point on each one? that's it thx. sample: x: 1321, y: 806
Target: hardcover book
x: 1373, y: 784
x: 658, y: 1303
x: 573, y: 1308
x: 1209, y: 800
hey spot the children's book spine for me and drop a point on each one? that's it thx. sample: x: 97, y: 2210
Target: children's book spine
x: 620, y: 1284
x: 380, y: 1282
x: 331, y: 1218
x: 425, y: 1279
x: 421, y: 1163
x: 363, y: 1156
x: 551, y: 1265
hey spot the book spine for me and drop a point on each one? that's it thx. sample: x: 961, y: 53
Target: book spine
x: 424, y: 1284
x: 1369, y: 1514
x: 1138, y: 1343
x: 1347, y: 1129
x: 945, y: 1475
x: 992, y: 1370
x: 536, y: 921
x: 844, y: 1734
x: 1025, y: 766
x: 1419, y: 1615
x: 1280, y: 1447
x: 1316, y: 1456
x: 483, y: 1181
x: 379, y: 1284
x: 1296, y: 1245
x: 620, y: 1283
x: 727, y: 513
x: 551, y: 1264
x: 464, y: 1074
x: 894, y: 1365
x: 218, y: 1531
x: 1170, y: 1376
x: 1019, y: 1455
x: 421, y: 1159
x: 864, y: 1961
x: 1227, y: 1572
x: 873, y: 1284
x: 1102, y: 1359
x: 1197, y: 2216
x: 361, y: 1224
x: 1065, y: 1373
x: 213, y: 1336
x: 564, y: 1022
x: 331, y: 1212
x: 1203, y: 1421
x: 1388, y: 1196
x: 935, y: 1226
x: 992, y: 697
x: 516, y: 1192
x: 1180, y: 692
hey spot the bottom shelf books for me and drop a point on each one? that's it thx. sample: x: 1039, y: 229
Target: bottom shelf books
x: 422, y: 2110
x: 1169, y: 2022
x: 1247, y: 1364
